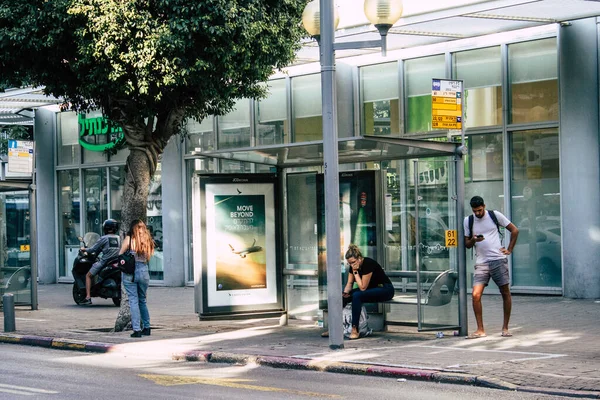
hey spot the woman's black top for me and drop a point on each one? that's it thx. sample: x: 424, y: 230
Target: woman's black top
x: 378, y: 279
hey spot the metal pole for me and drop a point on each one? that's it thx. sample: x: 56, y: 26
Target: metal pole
x: 417, y: 243
x: 330, y: 166
x: 8, y: 304
x: 462, y: 255
x: 33, y: 240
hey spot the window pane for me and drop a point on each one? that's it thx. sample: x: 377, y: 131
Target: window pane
x: 154, y: 222
x: 96, y: 211
x: 93, y: 135
x: 272, y: 122
x: 306, y: 104
x: 535, y: 195
x: 480, y: 71
x: 534, y: 81
x: 68, y: 139
x: 234, y: 128
x: 200, y: 136
x: 379, y: 87
x: 418, y: 74
x: 69, y: 224
x: 483, y: 177
x: 117, y: 183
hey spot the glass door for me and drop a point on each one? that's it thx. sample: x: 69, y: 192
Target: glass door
x: 435, y: 230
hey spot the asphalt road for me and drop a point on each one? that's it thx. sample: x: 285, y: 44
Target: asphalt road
x: 39, y: 373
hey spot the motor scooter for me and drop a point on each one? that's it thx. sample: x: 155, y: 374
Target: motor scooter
x: 107, y: 283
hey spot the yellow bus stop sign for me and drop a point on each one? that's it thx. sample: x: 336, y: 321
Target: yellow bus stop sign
x: 451, y: 238
x: 446, y: 104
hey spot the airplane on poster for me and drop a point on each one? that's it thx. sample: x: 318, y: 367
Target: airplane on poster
x: 247, y: 250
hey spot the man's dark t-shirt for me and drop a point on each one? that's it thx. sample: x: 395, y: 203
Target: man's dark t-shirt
x: 378, y: 278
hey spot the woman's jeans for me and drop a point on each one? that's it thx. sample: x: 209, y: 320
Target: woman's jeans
x: 374, y: 295
x: 136, y: 292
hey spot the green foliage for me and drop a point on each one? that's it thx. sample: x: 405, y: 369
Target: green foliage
x: 15, y: 132
x: 141, y: 58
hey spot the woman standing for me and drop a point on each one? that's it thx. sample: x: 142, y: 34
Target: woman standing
x: 140, y: 242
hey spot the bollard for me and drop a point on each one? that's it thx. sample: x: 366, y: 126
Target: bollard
x: 8, y: 304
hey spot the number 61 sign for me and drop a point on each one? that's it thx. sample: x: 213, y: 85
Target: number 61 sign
x: 451, y: 239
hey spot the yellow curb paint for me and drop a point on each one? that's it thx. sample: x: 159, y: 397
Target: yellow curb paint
x: 68, y: 345
x: 168, y: 380
x: 9, y: 339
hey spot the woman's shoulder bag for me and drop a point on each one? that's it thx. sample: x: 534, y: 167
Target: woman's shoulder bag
x: 126, y: 261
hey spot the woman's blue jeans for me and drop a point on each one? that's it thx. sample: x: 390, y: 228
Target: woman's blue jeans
x: 136, y: 293
x: 374, y: 295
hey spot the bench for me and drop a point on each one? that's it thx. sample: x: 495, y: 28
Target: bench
x: 439, y: 293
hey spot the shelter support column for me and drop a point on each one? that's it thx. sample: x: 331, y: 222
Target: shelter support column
x: 579, y: 157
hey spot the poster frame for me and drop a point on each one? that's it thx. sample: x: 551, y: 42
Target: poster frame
x: 226, y: 181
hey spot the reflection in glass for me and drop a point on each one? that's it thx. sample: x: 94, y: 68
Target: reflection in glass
x: 483, y: 177
x: 272, y: 124
x: 154, y: 223
x: 379, y: 89
x: 96, y: 211
x: 306, y: 104
x: 69, y: 224
x: 480, y: 71
x: 15, y: 264
x: 533, y: 75
x: 117, y: 184
x: 234, y: 128
x: 418, y: 75
x: 69, y: 150
x: 535, y: 195
x: 200, y: 136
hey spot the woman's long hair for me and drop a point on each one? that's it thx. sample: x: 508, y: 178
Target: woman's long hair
x: 141, y: 241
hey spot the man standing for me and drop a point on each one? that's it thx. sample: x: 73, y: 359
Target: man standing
x: 482, y: 231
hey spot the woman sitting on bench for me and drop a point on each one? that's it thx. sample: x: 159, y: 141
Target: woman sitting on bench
x: 373, y: 285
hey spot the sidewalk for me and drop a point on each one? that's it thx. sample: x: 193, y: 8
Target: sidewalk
x: 555, y: 347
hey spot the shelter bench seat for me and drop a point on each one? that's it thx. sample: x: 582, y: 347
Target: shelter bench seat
x: 439, y: 292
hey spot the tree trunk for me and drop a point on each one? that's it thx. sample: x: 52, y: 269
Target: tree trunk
x: 135, y: 197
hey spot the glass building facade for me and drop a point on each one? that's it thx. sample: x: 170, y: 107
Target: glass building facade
x: 513, y: 161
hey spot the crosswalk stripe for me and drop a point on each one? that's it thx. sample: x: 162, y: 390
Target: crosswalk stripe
x: 4, y: 387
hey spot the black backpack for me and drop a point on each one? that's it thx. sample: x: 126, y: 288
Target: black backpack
x: 493, y: 217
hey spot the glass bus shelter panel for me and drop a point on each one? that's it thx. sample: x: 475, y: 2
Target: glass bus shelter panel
x: 436, y: 231
x: 302, y: 290
x: 15, y: 264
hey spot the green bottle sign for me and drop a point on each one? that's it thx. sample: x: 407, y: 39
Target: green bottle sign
x: 96, y: 127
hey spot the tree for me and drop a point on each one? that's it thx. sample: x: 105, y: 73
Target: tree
x: 147, y: 64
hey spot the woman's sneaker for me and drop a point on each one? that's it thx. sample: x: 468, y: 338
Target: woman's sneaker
x: 86, y: 302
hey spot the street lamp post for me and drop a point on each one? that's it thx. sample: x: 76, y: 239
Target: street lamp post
x: 320, y: 21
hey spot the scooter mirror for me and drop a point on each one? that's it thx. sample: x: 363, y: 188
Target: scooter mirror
x: 80, y: 238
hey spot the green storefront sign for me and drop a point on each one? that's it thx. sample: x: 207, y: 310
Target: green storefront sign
x: 96, y: 127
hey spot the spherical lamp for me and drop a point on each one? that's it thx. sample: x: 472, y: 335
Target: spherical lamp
x: 383, y: 12
x: 311, y: 18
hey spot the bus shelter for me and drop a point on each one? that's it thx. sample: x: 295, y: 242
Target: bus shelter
x: 401, y: 201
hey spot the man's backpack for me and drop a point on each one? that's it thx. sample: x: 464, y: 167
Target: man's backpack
x: 493, y: 217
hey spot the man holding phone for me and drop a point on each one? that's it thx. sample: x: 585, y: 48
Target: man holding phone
x: 491, y: 261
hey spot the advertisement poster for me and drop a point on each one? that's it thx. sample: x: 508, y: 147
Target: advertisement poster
x: 357, y: 221
x: 240, y: 234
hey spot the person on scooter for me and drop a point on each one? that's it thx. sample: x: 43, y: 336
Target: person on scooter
x: 109, y: 244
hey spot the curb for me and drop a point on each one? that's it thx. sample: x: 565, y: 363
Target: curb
x: 56, y: 343
x: 304, y: 364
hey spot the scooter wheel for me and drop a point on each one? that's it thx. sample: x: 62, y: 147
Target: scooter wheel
x: 78, y: 294
x: 117, y: 301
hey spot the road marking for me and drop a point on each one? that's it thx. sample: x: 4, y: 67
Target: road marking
x: 30, y: 319
x: 170, y: 380
x: 23, y: 390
